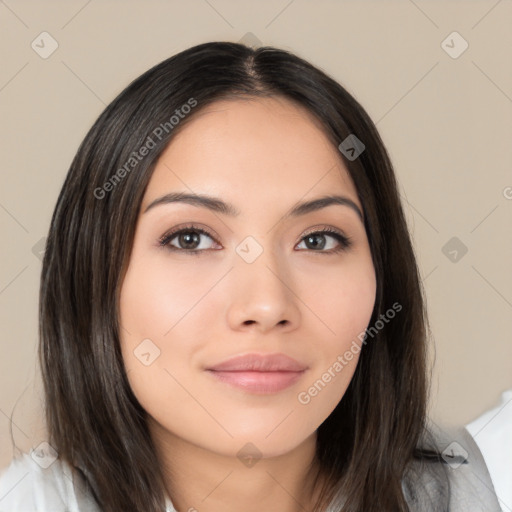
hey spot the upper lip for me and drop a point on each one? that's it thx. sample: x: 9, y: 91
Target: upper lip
x: 259, y: 363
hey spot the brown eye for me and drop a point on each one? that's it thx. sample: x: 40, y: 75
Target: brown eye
x: 187, y: 240
x: 316, y: 241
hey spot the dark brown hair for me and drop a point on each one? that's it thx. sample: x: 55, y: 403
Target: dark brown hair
x: 368, y: 446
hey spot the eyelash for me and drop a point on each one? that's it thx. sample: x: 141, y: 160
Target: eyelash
x: 344, y: 242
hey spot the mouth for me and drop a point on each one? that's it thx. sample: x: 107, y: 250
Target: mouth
x: 259, y: 374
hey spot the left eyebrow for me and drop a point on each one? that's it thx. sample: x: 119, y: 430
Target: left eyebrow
x: 217, y: 205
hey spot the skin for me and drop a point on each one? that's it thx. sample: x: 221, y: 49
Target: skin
x: 263, y: 156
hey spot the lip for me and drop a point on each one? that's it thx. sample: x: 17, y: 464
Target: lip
x: 259, y: 363
x: 259, y: 373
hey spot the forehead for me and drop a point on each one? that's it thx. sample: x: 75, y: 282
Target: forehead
x: 249, y: 150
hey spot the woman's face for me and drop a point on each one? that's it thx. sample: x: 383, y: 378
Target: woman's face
x: 255, y: 283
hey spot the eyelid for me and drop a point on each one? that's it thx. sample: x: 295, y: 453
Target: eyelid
x: 321, y: 228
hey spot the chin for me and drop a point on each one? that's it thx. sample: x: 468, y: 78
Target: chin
x: 259, y: 445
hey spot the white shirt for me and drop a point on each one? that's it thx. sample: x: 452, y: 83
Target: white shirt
x: 25, y: 486
x: 492, y: 432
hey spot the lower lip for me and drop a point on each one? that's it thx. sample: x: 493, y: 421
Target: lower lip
x: 258, y: 382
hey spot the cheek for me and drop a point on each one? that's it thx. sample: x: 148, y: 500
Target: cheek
x: 153, y: 299
x: 162, y: 327
x: 342, y: 302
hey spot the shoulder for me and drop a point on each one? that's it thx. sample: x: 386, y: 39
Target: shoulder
x: 492, y: 433
x: 37, y: 482
x: 458, y: 483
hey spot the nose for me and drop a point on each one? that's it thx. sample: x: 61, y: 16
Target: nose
x: 262, y: 296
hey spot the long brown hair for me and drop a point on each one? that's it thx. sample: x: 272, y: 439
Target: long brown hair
x: 367, y: 447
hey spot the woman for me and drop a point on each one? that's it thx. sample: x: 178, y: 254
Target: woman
x: 231, y: 315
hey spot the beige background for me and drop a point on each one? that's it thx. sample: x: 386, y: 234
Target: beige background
x: 446, y: 122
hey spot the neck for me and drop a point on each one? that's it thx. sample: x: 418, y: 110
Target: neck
x: 200, y: 480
